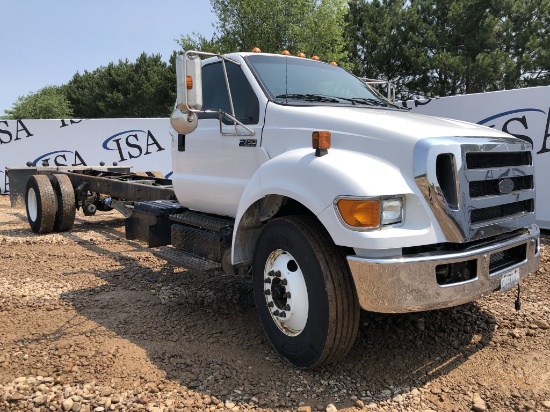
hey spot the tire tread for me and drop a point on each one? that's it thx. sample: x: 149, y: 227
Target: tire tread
x: 66, y: 208
x: 344, y: 314
x: 45, y: 197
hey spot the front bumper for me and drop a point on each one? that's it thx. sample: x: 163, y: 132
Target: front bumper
x: 408, y: 284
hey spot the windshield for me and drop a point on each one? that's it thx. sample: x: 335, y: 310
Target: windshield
x: 299, y: 80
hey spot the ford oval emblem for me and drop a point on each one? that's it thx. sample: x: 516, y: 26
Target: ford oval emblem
x: 505, y: 186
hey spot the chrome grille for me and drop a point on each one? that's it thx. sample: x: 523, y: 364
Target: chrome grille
x: 500, y: 211
x: 475, y: 160
x: 491, y: 187
x: 476, y: 187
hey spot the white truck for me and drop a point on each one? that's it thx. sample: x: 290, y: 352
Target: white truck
x: 295, y: 172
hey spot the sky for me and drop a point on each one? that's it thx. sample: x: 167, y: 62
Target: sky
x: 45, y: 42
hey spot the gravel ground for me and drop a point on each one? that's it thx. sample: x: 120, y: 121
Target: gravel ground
x: 92, y: 322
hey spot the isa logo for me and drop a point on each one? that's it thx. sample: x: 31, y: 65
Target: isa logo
x: 60, y: 158
x: 132, y: 144
x: 529, y: 124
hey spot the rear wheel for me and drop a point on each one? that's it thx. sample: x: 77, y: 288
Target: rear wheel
x: 304, y: 292
x: 66, y: 206
x: 40, y: 203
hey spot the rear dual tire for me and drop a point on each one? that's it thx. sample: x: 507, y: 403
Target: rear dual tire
x: 66, y: 205
x: 41, y: 204
x: 50, y: 203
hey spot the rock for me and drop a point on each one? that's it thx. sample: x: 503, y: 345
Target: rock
x: 542, y: 324
x: 479, y: 404
x: 516, y: 333
x: 115, y: 398
x: 359, y: 404
x: 546, y: 404
x: 40, y: 400
x: 152, y: 387
x: 304, y: 408
x: 479, y: 407
x: 15, y: 397
x: 331, y: 408
x: 67, y: 404
x: 398, y: 399
x: 107, y: 391
x: 386, y: 393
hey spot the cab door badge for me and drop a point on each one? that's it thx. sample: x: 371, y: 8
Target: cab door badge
x: 248, y: 143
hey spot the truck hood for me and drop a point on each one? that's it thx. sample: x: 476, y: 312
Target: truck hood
x: 387, y: 134
x: 379, y: 124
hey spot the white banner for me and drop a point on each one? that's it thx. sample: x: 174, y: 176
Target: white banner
x: 141, y: 143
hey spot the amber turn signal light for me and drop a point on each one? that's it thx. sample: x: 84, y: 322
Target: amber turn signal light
x: 360, y: 213
x: 189, y: 81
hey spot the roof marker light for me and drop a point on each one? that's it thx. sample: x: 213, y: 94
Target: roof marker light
x: 321, y: 141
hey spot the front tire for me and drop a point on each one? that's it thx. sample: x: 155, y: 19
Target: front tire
x: 304, y: 292
x: 40, y: 202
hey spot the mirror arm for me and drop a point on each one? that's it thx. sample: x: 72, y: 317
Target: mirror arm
x: 236, y: 122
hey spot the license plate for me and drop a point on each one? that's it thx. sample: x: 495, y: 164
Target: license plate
x: 509, y: 280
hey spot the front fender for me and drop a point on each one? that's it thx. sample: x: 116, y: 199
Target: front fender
x: 316, y: 181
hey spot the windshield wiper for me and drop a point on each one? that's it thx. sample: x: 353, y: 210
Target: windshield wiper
x: 309, y: 97
x: 365, y: 100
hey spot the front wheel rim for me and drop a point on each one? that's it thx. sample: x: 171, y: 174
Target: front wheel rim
x: 285, y: 292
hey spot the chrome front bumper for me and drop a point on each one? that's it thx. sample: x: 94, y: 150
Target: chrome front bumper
x: 408, y: 284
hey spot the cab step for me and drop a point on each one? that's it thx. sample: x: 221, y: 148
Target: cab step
x: 178, y: 257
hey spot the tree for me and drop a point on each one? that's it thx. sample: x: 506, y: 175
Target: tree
x: 309, y: 26
x: 145, y: 88
x: 47, y: 103
x: 525, y: 36
x: 444, y: 47
x: 377, y: 35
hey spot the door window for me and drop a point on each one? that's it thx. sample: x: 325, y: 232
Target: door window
x: 215, y: 96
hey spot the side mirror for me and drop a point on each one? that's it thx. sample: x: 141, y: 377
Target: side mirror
x: 189, y: 93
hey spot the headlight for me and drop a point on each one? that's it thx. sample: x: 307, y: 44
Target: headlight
x: 392, y: 211
x: 363, y: 213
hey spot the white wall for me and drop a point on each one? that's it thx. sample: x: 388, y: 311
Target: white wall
x: 524, y: 113
x: 141, y: 143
